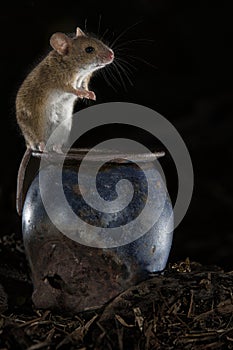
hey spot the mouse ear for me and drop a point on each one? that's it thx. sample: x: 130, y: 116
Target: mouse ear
x: 79, y: 32
x: 60, y: 43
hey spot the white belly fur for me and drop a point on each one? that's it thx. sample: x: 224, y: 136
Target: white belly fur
x: 59, y: 110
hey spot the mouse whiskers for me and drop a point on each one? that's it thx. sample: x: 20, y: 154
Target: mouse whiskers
x: 125, y: 44
x: 124, y: 51
x: 105, y: 74
x: 140, y: 59
x: 123, y: 70
x: 119, y: 73
x: 104, y: 34
x: 124, y: 32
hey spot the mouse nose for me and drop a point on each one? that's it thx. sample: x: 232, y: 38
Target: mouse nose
x: 111, y: 55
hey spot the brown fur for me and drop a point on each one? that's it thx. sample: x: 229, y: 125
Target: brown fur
x: 58, y: 71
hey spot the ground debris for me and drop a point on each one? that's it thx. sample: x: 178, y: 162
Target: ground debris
x: 190, y: 306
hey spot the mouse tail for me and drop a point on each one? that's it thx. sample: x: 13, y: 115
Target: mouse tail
x: 20, y: 180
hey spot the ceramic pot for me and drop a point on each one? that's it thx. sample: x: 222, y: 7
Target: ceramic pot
x: 71, y: 276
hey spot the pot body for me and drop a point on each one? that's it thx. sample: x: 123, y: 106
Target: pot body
x: 73, y: 277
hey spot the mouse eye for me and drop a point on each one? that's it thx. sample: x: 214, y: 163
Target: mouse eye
x: 89, y: 49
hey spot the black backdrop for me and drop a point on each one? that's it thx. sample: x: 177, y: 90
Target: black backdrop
x: 187, y: 78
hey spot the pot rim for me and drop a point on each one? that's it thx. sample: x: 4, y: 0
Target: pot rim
x: 100, y: 155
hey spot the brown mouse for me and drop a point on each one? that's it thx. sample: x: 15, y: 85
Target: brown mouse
x: 47, y: 95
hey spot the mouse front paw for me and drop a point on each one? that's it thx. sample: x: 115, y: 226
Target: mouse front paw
x: 91, y: 95
x: 85, y: 94
x: 41, y: 146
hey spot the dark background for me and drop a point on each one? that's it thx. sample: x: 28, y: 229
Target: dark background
x: 185, y: 73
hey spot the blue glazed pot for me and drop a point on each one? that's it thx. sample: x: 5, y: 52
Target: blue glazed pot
x: 71, y: 276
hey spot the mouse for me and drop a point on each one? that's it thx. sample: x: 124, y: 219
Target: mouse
x: 48, y: 94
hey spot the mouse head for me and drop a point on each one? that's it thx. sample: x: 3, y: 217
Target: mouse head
x: 89, y: 53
